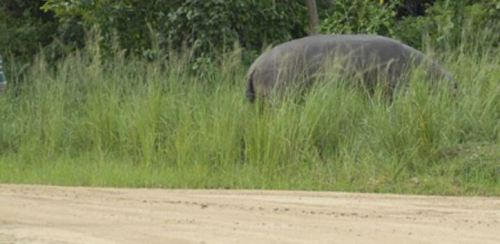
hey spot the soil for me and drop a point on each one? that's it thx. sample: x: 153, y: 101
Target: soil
x: 48, y: 214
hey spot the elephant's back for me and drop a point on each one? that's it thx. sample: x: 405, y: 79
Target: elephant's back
x: 368, y: 55
x: 349, y: 46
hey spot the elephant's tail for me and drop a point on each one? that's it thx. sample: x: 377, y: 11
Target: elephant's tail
x: 250, y: 89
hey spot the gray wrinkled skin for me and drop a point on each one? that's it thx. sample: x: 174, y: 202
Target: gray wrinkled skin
x: 369, y: 59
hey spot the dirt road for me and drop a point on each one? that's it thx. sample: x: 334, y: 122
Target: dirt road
x: 42, y: 214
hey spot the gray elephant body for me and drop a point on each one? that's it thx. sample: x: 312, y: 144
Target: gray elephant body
x: 370, y: 59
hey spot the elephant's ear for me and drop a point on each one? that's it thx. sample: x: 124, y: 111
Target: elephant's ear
x: 250, y: 88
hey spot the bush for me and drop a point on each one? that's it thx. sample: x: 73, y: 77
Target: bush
x: 207, y: 27
x: 444, y: 24
x: 448, y: 24
x: 215, y: 25
x: 361, y: 16
x: 123, y: 21
x: 24, y: 28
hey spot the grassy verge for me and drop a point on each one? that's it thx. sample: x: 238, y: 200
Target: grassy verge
x: 128, y: 122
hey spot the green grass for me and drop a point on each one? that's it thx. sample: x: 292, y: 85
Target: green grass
x: 132, y: 123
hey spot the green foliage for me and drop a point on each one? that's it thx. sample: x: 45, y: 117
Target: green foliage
x: 127, y: 121
x: 361, y: 16
x: 23, y: 28
x: 448, y: 23
x: 215, y: 25
x: 209, y: 28
x: 408, y: 8
x: 206, y: 27
x: 127, y: 22
x: 443, y: 24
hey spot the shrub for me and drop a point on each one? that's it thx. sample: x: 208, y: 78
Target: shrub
x: 24, y: 28
x: 447, y: 24
x: 361, y: 16
x: 206, y: 27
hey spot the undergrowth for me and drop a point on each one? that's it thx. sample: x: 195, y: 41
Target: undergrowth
x: 130, y: 122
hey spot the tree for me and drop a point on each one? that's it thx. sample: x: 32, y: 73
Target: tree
x: 313, y: 16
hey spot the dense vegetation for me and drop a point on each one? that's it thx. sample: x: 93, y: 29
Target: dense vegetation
x: 211, y: 26
x: 111, y: 98
x: 130, y: 122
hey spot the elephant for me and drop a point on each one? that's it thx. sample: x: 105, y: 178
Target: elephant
x: 370, y: 60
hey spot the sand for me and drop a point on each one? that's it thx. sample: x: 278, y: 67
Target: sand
x: 48, y: 214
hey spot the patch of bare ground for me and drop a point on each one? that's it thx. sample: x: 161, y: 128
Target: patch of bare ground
x: 47, y: 214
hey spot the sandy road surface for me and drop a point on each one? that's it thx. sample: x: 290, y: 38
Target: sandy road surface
x: 41, y: 214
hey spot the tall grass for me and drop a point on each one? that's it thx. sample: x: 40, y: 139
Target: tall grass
x: 132, y: 122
